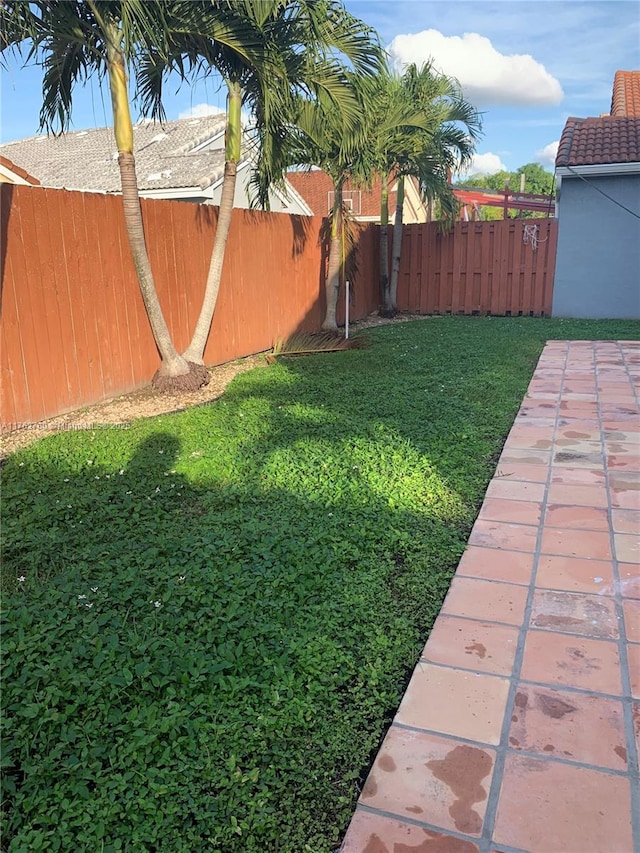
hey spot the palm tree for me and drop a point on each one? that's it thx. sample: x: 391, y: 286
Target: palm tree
x: 74, y: 40
x: 352, y: 152
x: 297, y: 53
x: 258, y: 49
x: 428, y: 154
x: 327, y: 141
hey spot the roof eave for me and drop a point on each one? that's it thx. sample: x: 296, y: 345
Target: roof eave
x: 599, y: 169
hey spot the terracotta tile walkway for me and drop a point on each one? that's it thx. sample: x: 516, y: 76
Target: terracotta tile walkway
x: 519, y: 729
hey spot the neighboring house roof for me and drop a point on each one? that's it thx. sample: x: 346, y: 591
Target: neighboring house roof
x: 609, y: 140
x: 625, y: 100
x: 316, y: 188
x: 598, y: 141
x: 168, y: 155
x: 10, y: 173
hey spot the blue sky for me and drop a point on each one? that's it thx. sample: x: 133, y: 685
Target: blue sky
x: 526, y: 65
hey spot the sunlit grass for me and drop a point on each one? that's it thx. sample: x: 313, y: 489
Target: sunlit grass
x: 210, y: 617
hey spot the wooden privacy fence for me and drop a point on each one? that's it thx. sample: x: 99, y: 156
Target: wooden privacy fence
x: 73, y: 330
x: 503, y: 267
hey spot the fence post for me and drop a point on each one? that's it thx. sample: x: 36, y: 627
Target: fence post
x: 346, y: 309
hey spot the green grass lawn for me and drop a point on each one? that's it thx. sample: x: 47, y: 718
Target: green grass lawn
x: 210, y: 617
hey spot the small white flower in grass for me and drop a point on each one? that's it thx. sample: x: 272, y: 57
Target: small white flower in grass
x: 22, y: 464
x: 66, y: 479
x: 94, y: 589
x: 161, y: 452
x: 181, y: 578
x: 81, y: 597
x: 96, y: 477
x: 89, y: 604
x: 121, y: 472
x: 89, y: 461
x: 21, y: 579
x: 157, y: 604
x: 128, y: 493
x: 69, y: 506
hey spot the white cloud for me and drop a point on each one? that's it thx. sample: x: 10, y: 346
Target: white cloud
x: 487, y: 76
x: 547, y: 155
x: 485, y: 164
x: 201, y: 110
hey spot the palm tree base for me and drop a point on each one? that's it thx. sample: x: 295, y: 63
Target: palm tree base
x: 197, y: 377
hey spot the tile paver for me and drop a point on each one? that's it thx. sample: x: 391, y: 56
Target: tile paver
x: 468, y: 644
x: 575, y: 575
x: 580, y: 477
x: 455, y: 702
x: 519, y: 512
x: 520, y: 727
x: 582, y: 517
x: 633, y: 653
x: 626, y: 521
x: 574, y: 613
x: 631, y: 611
x: 570, y: 725
x: 373, y: 833
x: 499, y: 534
x: 627, y: 547
x: 497, y: 565
x: 553, y: 658
x: 551, y: 807
x: 576, y: 543
x: 629, y: 580
x: 482, y: 599
x: 417, y: 773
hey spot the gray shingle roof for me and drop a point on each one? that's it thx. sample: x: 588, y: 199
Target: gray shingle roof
x: 88, y: 159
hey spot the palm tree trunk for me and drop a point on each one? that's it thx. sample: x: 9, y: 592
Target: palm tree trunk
x: 173, y: 363
x: 397, y: 249
x: 384, y: 249
x: 332, y: 284
x: 175, y: 373
x: 233, y: 147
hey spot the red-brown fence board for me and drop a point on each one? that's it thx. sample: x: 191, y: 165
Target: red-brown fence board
x: 73, y: 329
x: 478, y: 268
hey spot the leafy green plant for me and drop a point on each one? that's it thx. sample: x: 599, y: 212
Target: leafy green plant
x: 209, y: 619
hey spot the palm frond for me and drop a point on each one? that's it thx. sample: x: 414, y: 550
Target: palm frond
x: 307, y: 343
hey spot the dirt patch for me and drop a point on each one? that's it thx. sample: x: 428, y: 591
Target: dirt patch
x: 146, y: 403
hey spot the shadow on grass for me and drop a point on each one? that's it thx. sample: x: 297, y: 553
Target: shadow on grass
x: 221, y: 607
x: 189, y: 656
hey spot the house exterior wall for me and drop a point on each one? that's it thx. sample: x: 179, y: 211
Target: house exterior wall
x: 212, y: 195
x: 598, y: 261
x: 241, y: 198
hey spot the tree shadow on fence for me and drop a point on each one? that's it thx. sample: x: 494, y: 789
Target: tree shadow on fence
x: 6, y: 200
